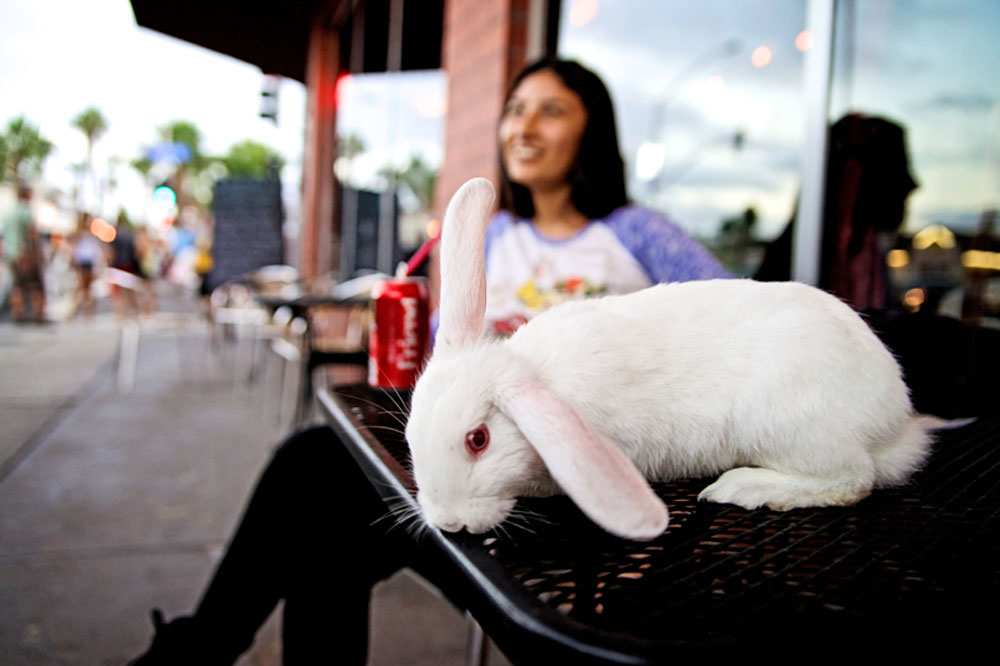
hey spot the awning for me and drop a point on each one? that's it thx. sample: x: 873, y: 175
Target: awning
x: 275, y: 35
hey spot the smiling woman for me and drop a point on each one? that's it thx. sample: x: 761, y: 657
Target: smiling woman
x: 540, y: 134
x: 565, y: 229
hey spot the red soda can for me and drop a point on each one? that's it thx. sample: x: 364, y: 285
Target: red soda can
x: 400, y: 332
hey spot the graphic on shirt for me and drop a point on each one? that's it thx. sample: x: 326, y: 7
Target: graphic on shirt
x: 537, y: 298
x: 631, y: 249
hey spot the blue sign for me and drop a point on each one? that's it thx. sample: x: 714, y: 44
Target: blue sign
x: 167, y: 151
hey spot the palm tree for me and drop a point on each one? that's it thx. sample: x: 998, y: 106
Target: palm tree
x: 187, y: 134
x: 143, y: 165
x: 417, y: 176
x: 349, y: 146
x: 25, y: 150
x: 93, y: 125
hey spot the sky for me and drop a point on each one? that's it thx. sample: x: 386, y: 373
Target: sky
x: 927, y: 64
x: 57, y: 57
x: 680, y: 73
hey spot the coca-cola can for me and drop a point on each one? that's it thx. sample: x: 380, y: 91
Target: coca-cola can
x: 400, y: 332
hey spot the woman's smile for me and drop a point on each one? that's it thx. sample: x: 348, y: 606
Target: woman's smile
x: 524, y: 152
x: 540, y: 131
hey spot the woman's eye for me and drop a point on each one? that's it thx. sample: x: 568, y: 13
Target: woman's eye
x: 513, y: 110
x: 477, y: 440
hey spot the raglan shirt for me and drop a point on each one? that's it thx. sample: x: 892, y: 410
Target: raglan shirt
x: 630, y: 249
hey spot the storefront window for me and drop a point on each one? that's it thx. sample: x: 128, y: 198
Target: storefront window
x: 925, y: 71
x: 710, y: 110
x: 390, y: 140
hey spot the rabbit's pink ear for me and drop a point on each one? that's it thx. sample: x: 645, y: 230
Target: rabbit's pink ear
x: 463, y: 270
x: 596, y: 474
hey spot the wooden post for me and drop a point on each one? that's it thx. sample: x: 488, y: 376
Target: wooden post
x: 319, y: 234
x: 485, y: 45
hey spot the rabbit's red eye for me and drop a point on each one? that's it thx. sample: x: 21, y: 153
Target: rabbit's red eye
x: 477, y: 440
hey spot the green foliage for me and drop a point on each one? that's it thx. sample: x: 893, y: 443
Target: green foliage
x: 142, y: 165
x: 350, y: 145
x: 182, y: 131
x: 249, y: 159
x: 25, y: 150
x: 92, y: 123
x: 417, y: 176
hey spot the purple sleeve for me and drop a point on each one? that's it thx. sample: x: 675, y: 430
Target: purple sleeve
x: 664, y: 251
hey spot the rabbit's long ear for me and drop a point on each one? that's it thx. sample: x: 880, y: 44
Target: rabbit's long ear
x: 463, y: 270
x: 596, y: 475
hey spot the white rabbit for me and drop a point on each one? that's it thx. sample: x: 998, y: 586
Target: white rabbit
x: 779, y: 387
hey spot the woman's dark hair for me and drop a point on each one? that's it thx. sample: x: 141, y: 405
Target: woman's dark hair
x: 597, y: 176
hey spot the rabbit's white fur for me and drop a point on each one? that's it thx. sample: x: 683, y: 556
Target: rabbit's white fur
x: 697, y: 378
x: 779, y: 387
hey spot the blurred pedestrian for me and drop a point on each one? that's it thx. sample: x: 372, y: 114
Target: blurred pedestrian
x: 149, y: 267
x: 125, y: 274
x: 22, y: 249
x: 204, y: 262
x: 86, y: 257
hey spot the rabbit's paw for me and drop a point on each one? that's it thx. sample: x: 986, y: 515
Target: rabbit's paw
x: 752, y: 488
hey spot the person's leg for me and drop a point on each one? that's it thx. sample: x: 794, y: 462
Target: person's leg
x: 306, y: 536
x: 306, y: 533
x: 86, y: 284
x: 16, y: 303
x: 340, y: 556
x: 38, y: 302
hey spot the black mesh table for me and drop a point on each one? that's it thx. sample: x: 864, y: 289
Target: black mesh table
x: 907, y: 567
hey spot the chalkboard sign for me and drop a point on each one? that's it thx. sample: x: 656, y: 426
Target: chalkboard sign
x: 248, y: 217
x: 369, y: 223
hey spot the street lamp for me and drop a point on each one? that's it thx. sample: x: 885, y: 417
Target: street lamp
x: 651, y: 156
x: 726, y: 49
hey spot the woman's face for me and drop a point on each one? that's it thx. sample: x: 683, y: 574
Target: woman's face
x: 540, y: 131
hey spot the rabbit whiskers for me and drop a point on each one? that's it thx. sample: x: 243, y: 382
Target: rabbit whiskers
x: 399, y: 416
x: 406, y: 515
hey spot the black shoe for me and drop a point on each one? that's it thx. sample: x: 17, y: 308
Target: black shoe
x: 176, y: 643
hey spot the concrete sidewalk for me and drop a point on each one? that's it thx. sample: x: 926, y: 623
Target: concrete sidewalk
x: 117, y: 502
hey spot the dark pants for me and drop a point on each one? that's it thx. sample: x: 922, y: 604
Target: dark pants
x: 306, y: 537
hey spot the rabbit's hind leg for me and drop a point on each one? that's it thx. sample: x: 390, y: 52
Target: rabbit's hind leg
x: 754, y: 487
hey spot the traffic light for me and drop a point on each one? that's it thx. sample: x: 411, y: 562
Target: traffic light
x: 165, y: 195
x: 269, y: 98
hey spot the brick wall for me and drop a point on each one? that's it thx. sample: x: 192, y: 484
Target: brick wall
x: 319, y: 242
x: 485, y: 44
